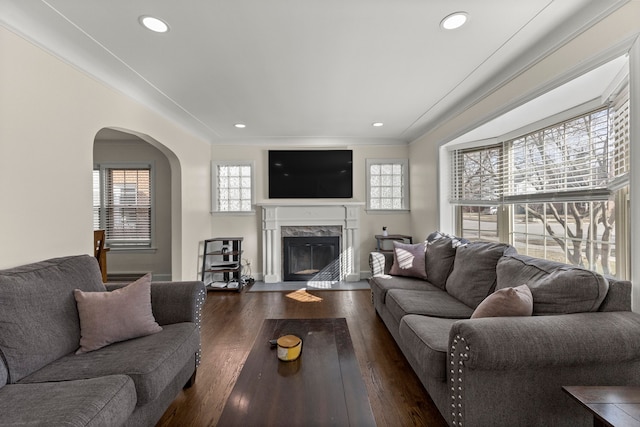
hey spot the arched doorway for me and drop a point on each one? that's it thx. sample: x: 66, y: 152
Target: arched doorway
x: 140, y: 238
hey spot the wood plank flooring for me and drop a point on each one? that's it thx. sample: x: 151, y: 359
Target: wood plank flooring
x: 231, y: 321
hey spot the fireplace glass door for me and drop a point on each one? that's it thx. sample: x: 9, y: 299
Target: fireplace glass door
x: 312, y: 258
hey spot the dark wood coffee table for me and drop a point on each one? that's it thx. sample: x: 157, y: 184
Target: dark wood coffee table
x: 610, y: 405
x: 323, y: 387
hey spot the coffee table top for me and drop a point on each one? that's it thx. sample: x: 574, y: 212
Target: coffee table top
x: 323, y: 387
x: 610, y: 405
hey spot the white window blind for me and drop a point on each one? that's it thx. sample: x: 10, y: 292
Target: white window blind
x: 127, y: 206
x: 562, y: 162
x: 581, y: 159
x: 97, y: 204
x: 476, y: 176
x: 621, y: 164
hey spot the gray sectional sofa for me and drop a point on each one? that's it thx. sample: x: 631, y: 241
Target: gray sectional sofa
x: 506, y: 371
x: 43, y: 382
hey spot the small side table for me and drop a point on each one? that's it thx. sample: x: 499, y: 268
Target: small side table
x: 611, y: 406
x: 380, y: 246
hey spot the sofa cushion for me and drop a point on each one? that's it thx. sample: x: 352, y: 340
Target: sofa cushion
x: 474, y: 271
x: 38, y: 313
x: 3, y: 374
x: 151, y: 361
x: 122, y: 314
x: 456, y: 241
x: 440, y: 256
x: 506, y: 302
x: 618, y: 296
x: 557, y: 288
x: 95, y: 402
x: 436, y: 304
x: 426, y: 339
x: 380, y: 285
x: 408, y: 260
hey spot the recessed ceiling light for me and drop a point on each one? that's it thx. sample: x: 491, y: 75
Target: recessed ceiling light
x: 377, y: 124
x: 154, y: 24
x: 240, y: 125
x: 455, y: 20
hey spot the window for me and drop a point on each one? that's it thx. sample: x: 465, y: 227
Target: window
x: 557, y: 193
x: 122, y: 204
x: 232, y: 186
x: 479, y: 223
x: 388, y: 184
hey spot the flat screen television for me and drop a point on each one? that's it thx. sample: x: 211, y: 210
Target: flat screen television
x: 310, y: 174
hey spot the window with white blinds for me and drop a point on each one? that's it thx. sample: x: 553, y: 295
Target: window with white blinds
x: 621, y: 165
x: 123, y: 205
x: 567, y: 161
x: 476, y: 176
x: 584, y: 158
x: 557, y: 193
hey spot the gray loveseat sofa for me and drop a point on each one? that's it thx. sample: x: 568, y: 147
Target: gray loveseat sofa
x: 44, y: 382
x: 507, y: 371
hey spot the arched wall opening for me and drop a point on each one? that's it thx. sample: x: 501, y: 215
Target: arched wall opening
x: 119, y: 147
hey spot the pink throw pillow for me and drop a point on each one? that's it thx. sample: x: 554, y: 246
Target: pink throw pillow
x: 408, y: 260
x: 122, y: 314
x: 516, y: 301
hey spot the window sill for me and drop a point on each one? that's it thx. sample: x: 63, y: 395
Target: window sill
x: 234, y: 213
x: 387, y: 211
x: 120, y: 249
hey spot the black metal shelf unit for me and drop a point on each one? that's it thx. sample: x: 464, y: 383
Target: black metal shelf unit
x: 222, y: 264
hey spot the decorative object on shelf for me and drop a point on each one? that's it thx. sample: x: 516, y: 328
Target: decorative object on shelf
x: 384, y: 231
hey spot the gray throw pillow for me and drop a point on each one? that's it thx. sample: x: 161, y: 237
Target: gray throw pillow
x: 474, y: 271
x: 440, y: 256
x: 122, y: 314
x: 408, y: 260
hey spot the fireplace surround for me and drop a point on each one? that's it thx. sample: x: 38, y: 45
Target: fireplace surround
x: 311, y: 218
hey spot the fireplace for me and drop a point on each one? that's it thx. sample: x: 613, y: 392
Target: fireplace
x: 311, y: 258
x: 310, y: 219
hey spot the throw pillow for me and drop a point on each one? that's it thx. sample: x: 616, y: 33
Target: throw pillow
x: 408, y: 260
x: 122, y: 314
x: 506, y: 302
x: 474, y: 271
x: 441, y: 253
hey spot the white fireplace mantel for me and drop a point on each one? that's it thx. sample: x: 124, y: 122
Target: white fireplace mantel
x: 296, y: 213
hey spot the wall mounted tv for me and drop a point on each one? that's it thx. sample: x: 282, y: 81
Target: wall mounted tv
x: 310, y: 174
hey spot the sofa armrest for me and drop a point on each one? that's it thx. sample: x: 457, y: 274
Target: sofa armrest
x: 523, y: 362
x: 380, y: 263
x: 501, y: 343
x: 174, y: 302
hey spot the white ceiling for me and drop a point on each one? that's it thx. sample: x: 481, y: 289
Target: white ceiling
x: 302, y: 70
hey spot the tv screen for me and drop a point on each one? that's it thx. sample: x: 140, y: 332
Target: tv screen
x: 310, y: 174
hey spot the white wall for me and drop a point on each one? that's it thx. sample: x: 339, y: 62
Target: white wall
x: 50, y: 114
x: 248, y: 226
x: 602, y: 42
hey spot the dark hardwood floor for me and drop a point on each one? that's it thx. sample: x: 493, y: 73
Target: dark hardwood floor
x: 231, y: 321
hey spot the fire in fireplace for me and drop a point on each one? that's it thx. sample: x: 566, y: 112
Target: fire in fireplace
x: 311, y: 258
